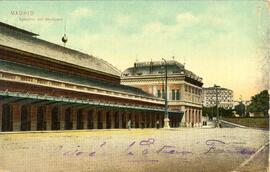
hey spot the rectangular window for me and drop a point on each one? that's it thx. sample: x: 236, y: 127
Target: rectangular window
x: 158, y: 93
x: 177, y: 94
x: 163, y: 94
x: 173, y: 94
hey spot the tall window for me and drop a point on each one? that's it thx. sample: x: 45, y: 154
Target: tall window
x: 158, y: 93
x: 163, y: 94
x: 173, y: 94
x: 177, y: 94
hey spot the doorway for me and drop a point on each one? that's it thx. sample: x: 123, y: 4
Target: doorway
x: 55, y: 119
x: 99, y: 120
x: 90, y: 119
x: 41, y: 124
x: 25, y: 119
x: 7, y: 119
x: 108, y: 120
x: 116, y: 120
x: 137, y: 120
x: 79, y: 120
x: 123, y: 120
x: 68, y: 119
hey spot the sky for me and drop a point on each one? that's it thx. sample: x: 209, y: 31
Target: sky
x: 221, y: 41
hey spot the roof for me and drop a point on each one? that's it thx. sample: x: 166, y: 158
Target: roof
x: 16, y: 29
x: 158, y: 68
x: 26, y: 41
x: 219, y: 88
x: 10, y: 97
x: 17, y: 68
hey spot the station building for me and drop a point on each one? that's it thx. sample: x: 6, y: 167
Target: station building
x: 184, y: 88
x: 45, y: 86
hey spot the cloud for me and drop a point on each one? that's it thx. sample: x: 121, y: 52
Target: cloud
x: 81, y: 12
x: 186, y: 18
x: 123, y: 20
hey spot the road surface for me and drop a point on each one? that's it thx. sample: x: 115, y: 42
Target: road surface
x: 184, y: 149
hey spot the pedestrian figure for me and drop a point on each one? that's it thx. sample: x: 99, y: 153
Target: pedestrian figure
x: 129, y: 124
x: 157, y: 124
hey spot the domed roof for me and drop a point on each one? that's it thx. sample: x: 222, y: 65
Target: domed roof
x: 26, y: 41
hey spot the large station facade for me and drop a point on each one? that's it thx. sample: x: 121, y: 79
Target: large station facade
x: 45, y: 86
x: 184, y: 88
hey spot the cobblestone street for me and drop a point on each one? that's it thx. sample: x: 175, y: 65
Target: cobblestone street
x: 132, y: 150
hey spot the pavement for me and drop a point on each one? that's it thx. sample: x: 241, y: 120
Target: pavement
x: 140, y: 150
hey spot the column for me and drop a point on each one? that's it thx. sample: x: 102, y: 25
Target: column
x: 103, y: 114
x: 95, y: 121
x: 84, y: 118
x: 194, y: 117
x: 186, y: 117
x: 62, y: 110
x: 191, y: 117
x: 199, y: 118
x: 16, y: 114
x: 183, y: 120
x: 33, y: 117
x: 112, y: 119
x: 120, y: 119
x: 48, y: 117
x: 1, y: 115
x: 74, y: 118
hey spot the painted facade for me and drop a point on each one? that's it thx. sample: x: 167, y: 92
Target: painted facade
x: 184, y: 88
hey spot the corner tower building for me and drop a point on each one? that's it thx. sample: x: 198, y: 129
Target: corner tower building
x: 184, y: 88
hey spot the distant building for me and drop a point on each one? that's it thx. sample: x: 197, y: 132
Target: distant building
x: 184, y: 88
x: 225, y: 97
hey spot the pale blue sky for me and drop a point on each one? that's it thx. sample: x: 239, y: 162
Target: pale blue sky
x: 218, y: 40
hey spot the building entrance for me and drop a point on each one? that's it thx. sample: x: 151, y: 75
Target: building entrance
x: 25, y: 119
x: 55, y: 119
x: 79, y: 119
x: 116, y: 120
x: 41, y: 124
x: 90, y: 120
x: 7, y: 122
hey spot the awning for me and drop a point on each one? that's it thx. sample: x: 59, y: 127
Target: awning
x: 35, y: 99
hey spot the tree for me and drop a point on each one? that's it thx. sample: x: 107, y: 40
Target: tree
x: 240, y: 109
x: 260, y: 103
x: 211, y: 111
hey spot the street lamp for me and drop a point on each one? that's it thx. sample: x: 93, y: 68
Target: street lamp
x: 216, y: 89
x: 166, y: 117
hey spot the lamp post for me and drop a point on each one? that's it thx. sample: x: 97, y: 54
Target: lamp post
x: 216, y: 89
x: 166, y: 117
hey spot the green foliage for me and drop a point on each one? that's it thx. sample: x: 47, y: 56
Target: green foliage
x: 259, y: 103
x: 240, y: 109
x: 212, y: 112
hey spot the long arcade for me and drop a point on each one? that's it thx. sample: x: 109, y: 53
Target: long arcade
x: 24, y: 112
